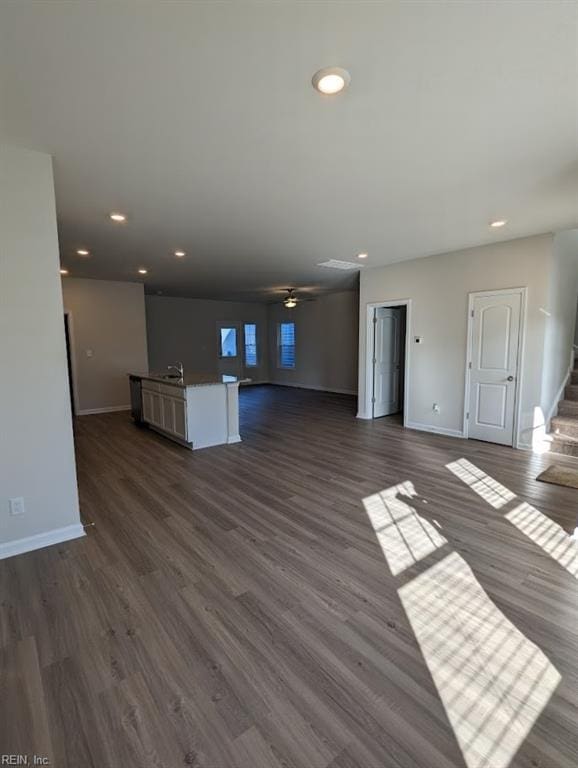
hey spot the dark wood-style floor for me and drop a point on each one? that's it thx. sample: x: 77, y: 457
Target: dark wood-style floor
x: 234, y: 607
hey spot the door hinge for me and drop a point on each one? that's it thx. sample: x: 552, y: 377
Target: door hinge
x: 472, y: 313
x: 470, y: 366
x: 467, y: 415
x: 375, y: 320
x: 373, y: 399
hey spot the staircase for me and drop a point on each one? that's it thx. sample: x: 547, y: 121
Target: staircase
x: 563, y: 435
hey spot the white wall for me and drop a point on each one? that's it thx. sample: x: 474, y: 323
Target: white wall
x: 186, y: 330
x: 326, y: 332
x: 36, y: 448
x: 438, y: 287
x: 107, y: 318
x: 560, y: 320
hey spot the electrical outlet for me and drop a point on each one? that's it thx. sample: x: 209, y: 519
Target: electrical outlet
x: 435, y: 408
x: 16, y: 506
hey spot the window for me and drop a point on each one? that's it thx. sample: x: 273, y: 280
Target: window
x: 250, y: 345
x: 286, y: 344
x: 228, y: 342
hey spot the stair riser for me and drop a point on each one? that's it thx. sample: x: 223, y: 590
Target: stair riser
x: 568, y: 428
x: 574, y: 377
x: 565, y: 448
x: 571, y: 393
x: 568, y: 408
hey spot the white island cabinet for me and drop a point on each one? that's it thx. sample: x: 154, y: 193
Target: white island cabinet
x: 197, y: 411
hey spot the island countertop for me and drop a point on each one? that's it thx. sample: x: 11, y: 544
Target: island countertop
x: 191, y: 379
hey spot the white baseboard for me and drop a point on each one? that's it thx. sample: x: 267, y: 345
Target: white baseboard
x: 363, y: 416
x: 40, y: 540
x: 253, y: 382
x: 107, y: 409
x: 435, y: 430
x: 316, y: 389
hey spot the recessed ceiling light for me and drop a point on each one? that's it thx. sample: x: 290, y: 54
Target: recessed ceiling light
x: 180, y: 254
x: 331, y: 80
x: 361, y: 255
x: 143, y: 271
x: 118, y: 216
x: 498, y: 223
x: 83, y: 252
x: 63, y: 271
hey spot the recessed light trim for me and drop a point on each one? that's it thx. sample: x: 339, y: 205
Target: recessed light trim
x: 496, y: 223
x: 362, y: 255
x: 143, y: 271
x: 331, y: 80
x: 63, y: 271
x: 119, y: 217
x: 83, y: 252
x: 180, y: 254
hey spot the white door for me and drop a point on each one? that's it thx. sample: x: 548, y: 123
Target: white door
x: 387, y: 361
x: 495, y: 326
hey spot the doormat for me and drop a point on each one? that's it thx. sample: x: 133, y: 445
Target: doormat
x: 559, y: 475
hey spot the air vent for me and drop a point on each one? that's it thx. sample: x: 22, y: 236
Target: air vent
x: 336, y: 264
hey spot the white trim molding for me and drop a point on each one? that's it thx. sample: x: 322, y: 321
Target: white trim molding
x: 107, y: 409
x: 40, y: 540
x: 435, y: 430
x: 315, y: 388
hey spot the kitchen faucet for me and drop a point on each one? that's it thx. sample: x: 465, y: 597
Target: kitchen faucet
x: 178, y: 366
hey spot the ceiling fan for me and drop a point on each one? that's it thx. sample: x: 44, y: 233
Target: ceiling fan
x: 290, y: 301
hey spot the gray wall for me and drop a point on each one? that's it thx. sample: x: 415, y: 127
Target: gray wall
x: 36, y: 448
x: 439, y: 287
x: 326, y: 343
x: 560, y: 319
x: 186, y: 330
x: 108, y: 320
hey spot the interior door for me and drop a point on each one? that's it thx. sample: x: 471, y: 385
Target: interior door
x: 387, y: 361
x: 495, y: 323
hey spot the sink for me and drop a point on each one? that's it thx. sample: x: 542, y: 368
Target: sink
x: 173, y: 376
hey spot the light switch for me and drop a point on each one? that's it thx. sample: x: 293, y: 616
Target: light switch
x: 89, y: 353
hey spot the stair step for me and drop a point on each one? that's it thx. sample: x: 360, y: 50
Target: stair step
x: 574, y: 376
x: 568, y: 408
x: 571, y: 392
x: 562, y: 444
x: 564, y: 425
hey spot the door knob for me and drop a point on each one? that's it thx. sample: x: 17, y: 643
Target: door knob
x: 510, y: 378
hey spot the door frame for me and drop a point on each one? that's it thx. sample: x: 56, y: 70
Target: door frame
x: 68, y: 319
x: 521, y: 349
x: 370, y: 341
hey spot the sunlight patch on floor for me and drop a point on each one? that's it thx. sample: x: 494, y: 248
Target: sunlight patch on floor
x: 543, y: 531
x: 404, y: 536
x: 493, y: 682
x: 485, y: 486
x: 547, y: 534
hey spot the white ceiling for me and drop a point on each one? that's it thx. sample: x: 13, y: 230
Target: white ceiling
x: 199, y: 121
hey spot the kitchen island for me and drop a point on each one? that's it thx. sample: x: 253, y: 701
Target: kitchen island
x: 197, y: 410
